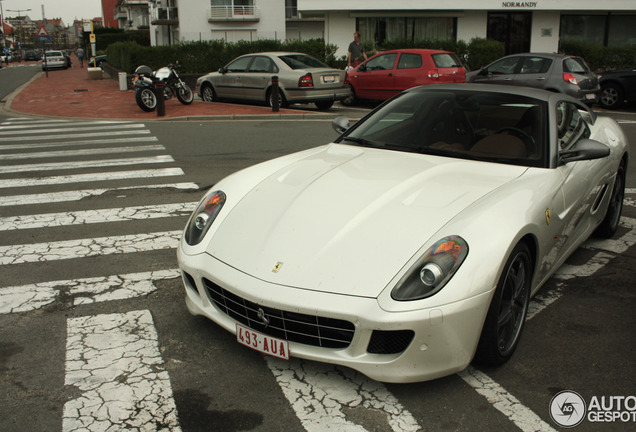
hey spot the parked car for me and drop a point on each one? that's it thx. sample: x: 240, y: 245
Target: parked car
x: 555, y: 72
x: 390, y: 72
x: 97, y: 61
x: 617, y: 87
x: 32, y: 56
x: 301, y: 79
x: 54, y: 60
x: 447, y: 210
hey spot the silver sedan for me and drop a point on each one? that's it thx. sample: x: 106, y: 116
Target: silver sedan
x: 301, y: 79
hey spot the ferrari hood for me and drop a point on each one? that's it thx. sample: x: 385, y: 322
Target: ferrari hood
x: 347, y: 219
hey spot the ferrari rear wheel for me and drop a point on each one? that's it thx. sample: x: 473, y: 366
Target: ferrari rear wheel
x: 508, y: 309
x: 608, y: 227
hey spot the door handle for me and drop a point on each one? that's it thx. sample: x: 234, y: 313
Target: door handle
x: 390, y: 74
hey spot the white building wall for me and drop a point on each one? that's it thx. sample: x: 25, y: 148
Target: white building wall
x: 545, y: 31
x: 472, y: 25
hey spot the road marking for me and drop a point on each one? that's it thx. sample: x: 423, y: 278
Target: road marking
x: 524, y: 418
x: 91, y: 177
x: 114, y: 361
x: 103, y: 163
x: 322, y: 396
x: 74, y: 135
x: 47, y: 132
x: 69, y: 123
x: 76, y: 195
x: 82, y: 152
x: 85, y: 217
x: 80, y: 142
x: 82, y: 248
x: 26, y: 298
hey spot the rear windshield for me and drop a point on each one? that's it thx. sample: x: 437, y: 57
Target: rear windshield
x: 302, y: 61
x: 575, y: 65
x: 446, y: 60
x: 54, y: 54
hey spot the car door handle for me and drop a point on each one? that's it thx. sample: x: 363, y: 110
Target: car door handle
x: 390, y: 74
x: 541, y: 79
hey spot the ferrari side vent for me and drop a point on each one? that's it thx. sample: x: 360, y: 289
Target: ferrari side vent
x: 390, y: 342
x: 292, y: 326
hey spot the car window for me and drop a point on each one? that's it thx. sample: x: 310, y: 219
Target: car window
x: 575, y: 65
x: 382, y: 62
x: 53, y: 54
x: 503, y: 66
x: 571, y: 126
x: 531, y: 65
x: 301, y: 61
x: 239, y: 65
x: 410, y: 61
x: 262, y: 64
x: 494, y: 127
x: 446, y: 60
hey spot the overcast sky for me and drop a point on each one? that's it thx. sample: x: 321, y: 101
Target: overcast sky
x: 68, y: 10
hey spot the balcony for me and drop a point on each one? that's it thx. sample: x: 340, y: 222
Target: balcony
x: 233, y: 13
x: 164, y: 16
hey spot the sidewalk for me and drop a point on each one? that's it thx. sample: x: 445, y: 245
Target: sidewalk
x: 69, y: 93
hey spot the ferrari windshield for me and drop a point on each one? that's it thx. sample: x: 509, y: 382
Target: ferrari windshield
x: 490, y: 126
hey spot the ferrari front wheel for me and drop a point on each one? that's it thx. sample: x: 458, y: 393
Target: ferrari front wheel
x: 508, y: 309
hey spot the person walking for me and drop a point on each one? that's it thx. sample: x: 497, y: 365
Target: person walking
x: 356, y: 52
x: 80, y: 56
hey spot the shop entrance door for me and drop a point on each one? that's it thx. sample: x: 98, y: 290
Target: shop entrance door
x: 511, y: 28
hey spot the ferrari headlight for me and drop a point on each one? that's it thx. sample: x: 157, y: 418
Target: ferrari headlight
x: 431, y: 272
x: 203, y: 216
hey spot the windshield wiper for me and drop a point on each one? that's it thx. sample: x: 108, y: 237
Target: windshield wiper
x: 361, y: 141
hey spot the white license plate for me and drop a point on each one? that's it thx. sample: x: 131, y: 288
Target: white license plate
x: 262, y: 343
x: 590, y: 96
x: 329, y: 78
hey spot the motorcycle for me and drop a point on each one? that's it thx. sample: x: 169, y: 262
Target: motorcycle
x: 146, y: 82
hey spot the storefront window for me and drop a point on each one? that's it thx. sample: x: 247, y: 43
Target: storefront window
x: 380, y: 30
x: 603, y: 30
x: 622, y: 31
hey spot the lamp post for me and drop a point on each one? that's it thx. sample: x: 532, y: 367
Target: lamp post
x: 20, y: 30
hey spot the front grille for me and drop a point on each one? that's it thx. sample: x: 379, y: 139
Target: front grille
x: 291, y: 326
x: 389, y: 342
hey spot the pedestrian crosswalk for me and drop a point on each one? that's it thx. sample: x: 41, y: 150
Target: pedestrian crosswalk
x: 47, y: 168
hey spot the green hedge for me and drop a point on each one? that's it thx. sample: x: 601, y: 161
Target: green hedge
x: 601, y: 58
x: 203, y: 57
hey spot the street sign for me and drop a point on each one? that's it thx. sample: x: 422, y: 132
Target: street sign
x: 92, y: 37
x: 43, y: 35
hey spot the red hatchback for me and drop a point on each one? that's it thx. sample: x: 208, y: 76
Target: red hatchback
x: 390, y: 72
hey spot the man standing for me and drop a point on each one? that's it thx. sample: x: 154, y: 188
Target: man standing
x: 80, y: 56
x: 356, y: 51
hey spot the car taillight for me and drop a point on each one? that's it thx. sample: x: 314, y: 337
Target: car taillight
x: 433, y: 73
x: 306, y: 81
x: 570, y: 78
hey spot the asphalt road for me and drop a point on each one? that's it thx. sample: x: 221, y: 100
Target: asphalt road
x: 84, y: 287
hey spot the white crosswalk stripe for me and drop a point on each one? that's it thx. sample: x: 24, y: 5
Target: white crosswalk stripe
x: 108, y: 377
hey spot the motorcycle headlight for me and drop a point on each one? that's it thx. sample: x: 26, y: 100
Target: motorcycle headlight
x: 203, y: 216
x: 431, y: 272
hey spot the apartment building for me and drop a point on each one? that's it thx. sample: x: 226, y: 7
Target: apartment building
x: 520, y: 25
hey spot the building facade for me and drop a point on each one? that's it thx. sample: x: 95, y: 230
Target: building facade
x: 522, y: 26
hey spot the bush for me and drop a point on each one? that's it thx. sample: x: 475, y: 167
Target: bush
x: 601, y: 58
x: 482, y: 52
x: 206, y: 56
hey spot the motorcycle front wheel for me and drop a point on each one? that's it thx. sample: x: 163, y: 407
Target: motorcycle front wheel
x: 185, y: 94
x: 146, y: 99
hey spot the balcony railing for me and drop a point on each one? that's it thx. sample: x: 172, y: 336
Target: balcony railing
x: 234, y: 13
x: 164, y: 16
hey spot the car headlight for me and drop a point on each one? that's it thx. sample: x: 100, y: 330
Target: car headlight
x: 431, y: 272
x: 203, y: 216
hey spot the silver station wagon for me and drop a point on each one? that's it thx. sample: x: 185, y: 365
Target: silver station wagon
x: 301, y: 79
